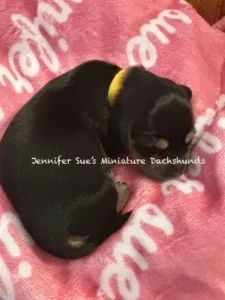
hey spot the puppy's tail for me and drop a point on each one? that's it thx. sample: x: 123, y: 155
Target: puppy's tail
x: 121, y: 220
x: 114, y: 226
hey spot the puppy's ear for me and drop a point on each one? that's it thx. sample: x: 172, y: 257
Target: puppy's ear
x: 187, y: 91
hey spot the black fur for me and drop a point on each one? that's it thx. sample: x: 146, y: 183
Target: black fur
x: 67, y: 117
x: 71, y: 117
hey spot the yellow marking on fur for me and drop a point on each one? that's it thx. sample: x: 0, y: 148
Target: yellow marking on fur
x: 116, y: 86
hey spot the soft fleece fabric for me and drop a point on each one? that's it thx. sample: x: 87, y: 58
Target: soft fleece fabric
x: 173, y: 248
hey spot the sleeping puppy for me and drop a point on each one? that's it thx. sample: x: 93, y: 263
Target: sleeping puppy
x: 68, y: 206
x: 152, y: 119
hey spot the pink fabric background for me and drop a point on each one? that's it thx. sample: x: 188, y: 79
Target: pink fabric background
x: 173, y: 248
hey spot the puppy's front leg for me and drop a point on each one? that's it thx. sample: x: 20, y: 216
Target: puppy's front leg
x: 124, y: 194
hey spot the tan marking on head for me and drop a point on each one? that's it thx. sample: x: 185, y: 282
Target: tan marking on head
x: 77, y: 241
x: 162, y: 144
x: 189, y: 137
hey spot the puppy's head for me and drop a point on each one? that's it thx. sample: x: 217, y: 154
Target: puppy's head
x: 155, y: 122
x: 167, y: 141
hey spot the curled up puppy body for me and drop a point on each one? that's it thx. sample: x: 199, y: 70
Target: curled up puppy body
x: 152, y: 119
x: 68, y: 209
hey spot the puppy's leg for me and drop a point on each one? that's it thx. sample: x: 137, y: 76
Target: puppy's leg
x: 124, y: 194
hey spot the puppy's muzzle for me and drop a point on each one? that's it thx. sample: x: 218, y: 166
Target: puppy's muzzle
x: 162, y: 169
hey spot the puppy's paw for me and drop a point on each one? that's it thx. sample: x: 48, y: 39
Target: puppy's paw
x: 124, y: 194
x: 123, y: 188
x: 110, y: 174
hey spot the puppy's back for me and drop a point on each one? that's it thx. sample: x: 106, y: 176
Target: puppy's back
x: 47, y: 195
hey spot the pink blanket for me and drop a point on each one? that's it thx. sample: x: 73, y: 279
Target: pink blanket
x: 173, y: 248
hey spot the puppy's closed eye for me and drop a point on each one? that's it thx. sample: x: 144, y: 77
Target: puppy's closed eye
x: 144, y: 138
x: 148, y: 140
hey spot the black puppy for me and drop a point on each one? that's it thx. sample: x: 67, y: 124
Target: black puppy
x: 152, y: 119
x: 68, y: 207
